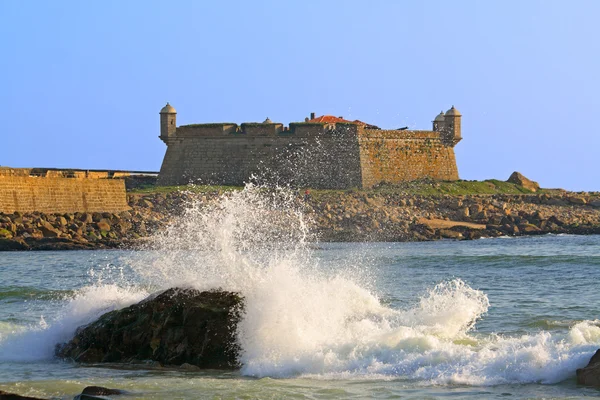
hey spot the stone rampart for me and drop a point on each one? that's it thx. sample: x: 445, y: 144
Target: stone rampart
x: 400, y: 156
x: 287, y: 159
x: 307, y: 154
x: 24, y: 193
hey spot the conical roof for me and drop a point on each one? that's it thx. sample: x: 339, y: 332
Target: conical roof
x: 168, y: 109
x: 453, y: 112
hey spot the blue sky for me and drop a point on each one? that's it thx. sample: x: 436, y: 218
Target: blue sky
x: 82, y: 82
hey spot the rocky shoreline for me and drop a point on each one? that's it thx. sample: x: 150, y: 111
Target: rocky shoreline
x: 342, y: 216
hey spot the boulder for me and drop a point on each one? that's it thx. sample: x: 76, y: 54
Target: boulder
x: 590, y: 374
x: 173, y: 327
x: 98, y: 393
x: 577, y: 200
x: 448, y: 234
x: 103, y: 225
x: 519, y: 179
x: 48, y: 230
x: 13, y: 396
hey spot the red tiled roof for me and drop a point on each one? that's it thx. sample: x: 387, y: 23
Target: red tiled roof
x: 330, y: 119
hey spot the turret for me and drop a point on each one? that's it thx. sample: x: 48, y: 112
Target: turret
x: 438, y: 122
x: 452, y: 127
x: 168, y: 122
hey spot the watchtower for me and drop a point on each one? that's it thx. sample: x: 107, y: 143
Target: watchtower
x: 438, y: 122
x: 168, y: 122
x: 452, y: 127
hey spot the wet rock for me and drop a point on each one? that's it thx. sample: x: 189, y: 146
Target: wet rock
x: 174, y: 327
x: 13, y: 396
x: 590, y: 374
x: 13, y: 245
x: 92, y: 391
x: 519, y: 179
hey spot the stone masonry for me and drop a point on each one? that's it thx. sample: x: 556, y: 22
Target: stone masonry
x: 327, y: 155
x: 54, y: 193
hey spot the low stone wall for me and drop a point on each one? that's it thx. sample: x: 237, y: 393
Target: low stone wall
x: 61, y: 195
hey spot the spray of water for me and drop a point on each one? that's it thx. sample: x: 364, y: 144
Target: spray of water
x: 304, y: 317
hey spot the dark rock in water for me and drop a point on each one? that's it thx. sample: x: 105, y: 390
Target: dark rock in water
x: 89, y: 397
x: 98, y: 393
x: 12, y: 396
x: 590, y: 374
x: 13, y: 244
x: 101, y: 391
x: 173, y: 327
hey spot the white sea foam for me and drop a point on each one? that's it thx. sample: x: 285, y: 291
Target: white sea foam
x: 37, y: 342
x: 303, y: 318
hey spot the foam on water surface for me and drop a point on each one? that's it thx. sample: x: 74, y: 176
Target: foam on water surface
x: 306, y: 319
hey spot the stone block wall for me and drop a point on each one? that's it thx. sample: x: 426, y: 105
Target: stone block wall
x: 306, y: 155
x: 331, y: 161
x: 400, y: 156
x: 61, y: 195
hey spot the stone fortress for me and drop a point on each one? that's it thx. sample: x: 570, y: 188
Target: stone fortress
x: 322, y: 152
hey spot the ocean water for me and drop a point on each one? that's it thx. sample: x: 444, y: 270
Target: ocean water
x: 491, y: 318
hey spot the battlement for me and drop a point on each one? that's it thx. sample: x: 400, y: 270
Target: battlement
x: 300, y: 129
x: 327, y: 152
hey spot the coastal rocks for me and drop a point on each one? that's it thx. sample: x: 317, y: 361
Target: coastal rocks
x: 174, y: 327
x: 590, y: 374
x: 519, y: 179
x: 387, y: 215
x: 13, y: 396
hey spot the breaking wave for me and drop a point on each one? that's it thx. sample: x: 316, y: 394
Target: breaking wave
x: 305, y: 317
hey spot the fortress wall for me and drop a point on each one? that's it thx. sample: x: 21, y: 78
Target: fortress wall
x: 61, y: 195
x: 206, y: 130
x: 394, y: 160
x: 329, y: 162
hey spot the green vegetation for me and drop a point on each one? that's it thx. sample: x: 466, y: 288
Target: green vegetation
x: 186, y: 188
x: 440, y: 188
x: 421, y: 187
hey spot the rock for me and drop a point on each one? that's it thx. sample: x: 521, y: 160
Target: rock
x: 48, y: 230
x: 13, y: 244
x: 174, y: 327
x: 98, y: 393
x: 89, y: 397
x: 580, y: 201
x: 518, y: 179
x: 448, y: 234
x: 13, y: 396
x: 86, y: 218
x: 103, y: 225
x: 590, y: 374
x: 5, y: 234
x: 528, y: 229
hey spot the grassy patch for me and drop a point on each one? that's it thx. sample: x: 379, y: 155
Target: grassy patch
x: 423, y: 188
x: 184, y: 188
x: 455, y: 188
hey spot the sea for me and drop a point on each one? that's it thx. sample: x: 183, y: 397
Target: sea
x: 509, y: 318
